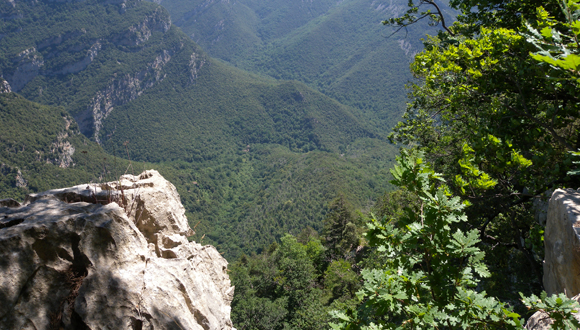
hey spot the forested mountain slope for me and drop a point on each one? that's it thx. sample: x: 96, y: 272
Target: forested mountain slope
x: 120, y: 74
x: 252, y: 157
x: 42, y: 148
x: 338, y: 47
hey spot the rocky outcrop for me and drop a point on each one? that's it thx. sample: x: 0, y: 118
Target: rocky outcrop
x: 562, y: 249
x: 108, y: 256
x: 562, y: 243
x: 196, y: 62
x: 21, y: 182
x: 5, y: 86
x: 540, y: 207
x: 121, y: 90
x: 63, y: 151
x: 84, y: 62
x: 28, y: 65
x: 30, y: 62
x: 141, y: 32
x: 60, y: 151
x: 542, y: 321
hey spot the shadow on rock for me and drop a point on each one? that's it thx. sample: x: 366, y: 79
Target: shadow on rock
x: 81, y: 265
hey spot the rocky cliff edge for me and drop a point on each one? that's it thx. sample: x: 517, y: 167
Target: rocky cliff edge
x: 108, y: 256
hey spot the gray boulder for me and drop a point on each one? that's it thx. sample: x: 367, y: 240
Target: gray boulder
x: 108, y: 256
x: 562, y: 252
x: 562, y: 244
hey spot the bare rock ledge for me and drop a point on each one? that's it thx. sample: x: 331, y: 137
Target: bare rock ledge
x: 108, y: 256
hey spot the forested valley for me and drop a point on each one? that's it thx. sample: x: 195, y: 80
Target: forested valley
x: 361, y: 164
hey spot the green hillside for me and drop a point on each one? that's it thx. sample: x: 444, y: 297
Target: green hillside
x: 244, y: 201
x: 147, y: 83
x: 241, y: 200
x: 337, y: 47
x: 252, y: 157
x: 43, y: 149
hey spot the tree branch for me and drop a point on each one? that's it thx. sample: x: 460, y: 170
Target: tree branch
x: 440, y: 13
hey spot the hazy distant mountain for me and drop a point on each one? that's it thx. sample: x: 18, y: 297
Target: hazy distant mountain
x: 339, y: 47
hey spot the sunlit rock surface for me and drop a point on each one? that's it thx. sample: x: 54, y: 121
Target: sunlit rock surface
x: 108, y: 256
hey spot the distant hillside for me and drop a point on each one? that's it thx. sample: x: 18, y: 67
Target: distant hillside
x: 252, y: 157
x: 246, y: 200
x: 127, y: 75
x: 338, y: 47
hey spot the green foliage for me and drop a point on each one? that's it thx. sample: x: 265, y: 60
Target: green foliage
x: 558, y: 49
x: 341, y: 280
x: 576, y: 172
x: 487, y: 115
x: 432, y: 268
x: 281, y: 288
x: 300, y: 277
x: 559, y: 307
x: 243, y: 201
x: 340, y: 229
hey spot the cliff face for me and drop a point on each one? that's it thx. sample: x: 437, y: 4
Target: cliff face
x: 109, y: 256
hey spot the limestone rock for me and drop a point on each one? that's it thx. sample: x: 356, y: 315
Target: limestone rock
x: 21, y: 182
x: 110, y: 256
x: 4, y: 86
x: 120, y: 91
x: 562, y: 243
x: 29, y: 62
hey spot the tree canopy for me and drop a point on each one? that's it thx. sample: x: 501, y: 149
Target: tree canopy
x: 496, y: 111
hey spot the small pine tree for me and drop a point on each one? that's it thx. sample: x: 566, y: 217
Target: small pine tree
x: 340, y: 233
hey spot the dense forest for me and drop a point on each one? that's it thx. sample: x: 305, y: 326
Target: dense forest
x: 283, y: 147
x: 492, y: 125
x: 252, y: 157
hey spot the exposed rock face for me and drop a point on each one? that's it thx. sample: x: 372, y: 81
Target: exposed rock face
x: 30, y: 62
x: 540, y: 207
x: 28, y: 65
x: 196, y: 62
x: 121, y: 90
x: 61, y: 150
x: 562, y: 250
x: 4, y: 86
x: 83, y: 63
x: 140, y: 33
x: 20, y: 180
x: 562, y: 243
x: 110, y: 256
